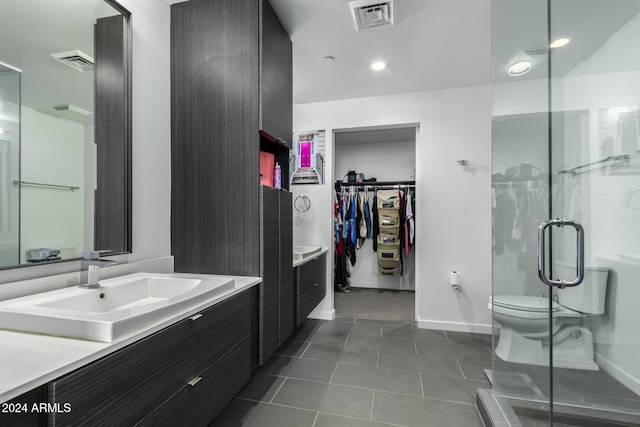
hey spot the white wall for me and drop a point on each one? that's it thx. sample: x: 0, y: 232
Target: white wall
x: 51, y: 152
x: 453, y: 203
x: 151, y: 111
x: 386, y: 161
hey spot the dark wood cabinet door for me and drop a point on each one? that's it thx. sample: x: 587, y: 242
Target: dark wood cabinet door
x: 215, y: 175
x: 276, y: 74
x: 270, y: 272
x: 287, y: 291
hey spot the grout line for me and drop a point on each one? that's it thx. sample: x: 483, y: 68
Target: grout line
x: 421, y: 385
x: 335, y: 368
x: 446, y: 336
x: 378, y: 361
x: 461, y: 370
x: 373, y: 399
x: 316, y: 419
x: 415, y: 346
x: 305, y: 350
x: 346, y: 339
x: 278, y: 391
x: 381, y: 330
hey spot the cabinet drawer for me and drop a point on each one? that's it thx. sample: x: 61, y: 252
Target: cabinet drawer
x: 139, y: 377
x: 19, y: 410
x: 309, y: 300
x: 311, y: 274
x: 198, y: 404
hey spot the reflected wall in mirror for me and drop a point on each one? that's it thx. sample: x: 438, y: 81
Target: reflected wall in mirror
x: 64, y: 130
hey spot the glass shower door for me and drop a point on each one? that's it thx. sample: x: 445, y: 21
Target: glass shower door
x: 566, y: 144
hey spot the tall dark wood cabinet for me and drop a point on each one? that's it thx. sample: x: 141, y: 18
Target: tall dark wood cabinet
x: 230, y: 78
x: 231, y: 96
x: 277, y: 291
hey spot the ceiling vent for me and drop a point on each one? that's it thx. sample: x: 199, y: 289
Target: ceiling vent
x: 72, y: 108
x: 371, y: 13
x: 75, y: 59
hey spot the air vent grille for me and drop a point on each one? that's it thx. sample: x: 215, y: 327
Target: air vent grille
x: 371, y: 13
x: 75, y: 59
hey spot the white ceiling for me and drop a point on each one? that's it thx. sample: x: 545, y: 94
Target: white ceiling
x: 433, y: 44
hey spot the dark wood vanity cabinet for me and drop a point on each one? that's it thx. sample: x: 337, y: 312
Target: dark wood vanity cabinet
x: 277, y: 293
x: 182, y: 375
x: 311, y: 286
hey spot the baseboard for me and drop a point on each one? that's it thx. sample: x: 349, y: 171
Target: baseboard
x: 322, y: 314
x: 455, y: 327
x: 618, y: 374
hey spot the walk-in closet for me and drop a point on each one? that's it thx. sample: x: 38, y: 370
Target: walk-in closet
x: 374, y: 222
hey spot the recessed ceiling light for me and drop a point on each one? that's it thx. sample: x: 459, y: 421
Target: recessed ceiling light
x: 519, y: 68
x: 378, y: 65
x: 559, y: 43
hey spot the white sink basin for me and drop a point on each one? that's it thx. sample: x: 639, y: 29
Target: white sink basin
x: 120, y: 306
x: 303, y: 252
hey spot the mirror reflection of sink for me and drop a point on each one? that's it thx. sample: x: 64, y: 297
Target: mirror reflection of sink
x: 120, y: 306
x: 302, y: 252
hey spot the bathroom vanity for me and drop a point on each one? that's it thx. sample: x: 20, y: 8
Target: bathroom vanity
x: 310, y: 279
x: 189, y: 366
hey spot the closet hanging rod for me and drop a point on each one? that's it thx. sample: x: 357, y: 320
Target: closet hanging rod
x: 38, y: 184
x: 378, y: 183
x: 606, y: 159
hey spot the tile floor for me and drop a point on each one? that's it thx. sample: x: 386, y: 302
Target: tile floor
x: 365, y: 373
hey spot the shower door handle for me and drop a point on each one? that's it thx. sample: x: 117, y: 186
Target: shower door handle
x: 542, y: 252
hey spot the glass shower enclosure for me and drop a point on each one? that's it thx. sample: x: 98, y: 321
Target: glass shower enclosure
x: 566, y: 211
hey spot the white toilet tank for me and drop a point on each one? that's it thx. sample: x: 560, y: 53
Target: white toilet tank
x: 589, y: 296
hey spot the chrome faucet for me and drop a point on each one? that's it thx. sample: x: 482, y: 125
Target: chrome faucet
x: 92, y: 262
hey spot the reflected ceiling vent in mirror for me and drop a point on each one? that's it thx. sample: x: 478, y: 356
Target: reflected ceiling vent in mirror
x: 73, y: 109
x: 75, y: 59
x: 371, y: 13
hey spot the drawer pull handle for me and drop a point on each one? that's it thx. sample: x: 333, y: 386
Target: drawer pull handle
x: 194, y: 381
x: 315, y: 284
x: 195, y: 316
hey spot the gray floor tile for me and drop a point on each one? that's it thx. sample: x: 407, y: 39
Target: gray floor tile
x: 421, y: 335
x: 599, y: 401
x: 292, y: 348
x: 254, y: 414
x: 420, y: 363
x: 382, y: 379
x: 635, y: 403
x: 308, y: 328
x: 331, y: 398
x: 469, y: 339
x: 455, y: 351
x: 473, y: 370
x: 369, y: 329
x: 344, y: 354
x: 593, y: 382
x: 380, y: 304
x: 345, y: 319
x: 448, y: 388
x: 391, y: 323
x: 423, y: 412
x: 284, y: 366
x: 261, y: 388
x: 383, y: 343
x: 330, y: 420
x: 330, y: 338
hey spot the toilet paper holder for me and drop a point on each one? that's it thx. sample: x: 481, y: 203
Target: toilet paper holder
x: 454, y: 279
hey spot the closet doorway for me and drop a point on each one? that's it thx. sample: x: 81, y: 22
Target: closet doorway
x: 367, y: 286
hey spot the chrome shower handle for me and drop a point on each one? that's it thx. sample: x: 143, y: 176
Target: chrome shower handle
x: 542, y: 252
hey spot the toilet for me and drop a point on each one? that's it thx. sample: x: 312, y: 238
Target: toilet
x: 524, y: 322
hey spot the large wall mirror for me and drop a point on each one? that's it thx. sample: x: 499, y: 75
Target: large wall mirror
x: 65, y: 131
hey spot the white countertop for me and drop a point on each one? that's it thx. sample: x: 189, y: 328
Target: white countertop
x: 28, y: 361
x: 299, y: 262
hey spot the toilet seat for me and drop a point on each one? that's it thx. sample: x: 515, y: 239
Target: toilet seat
x: 524, y: 303
x: 529, y: 307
